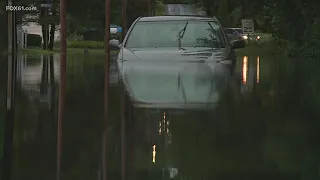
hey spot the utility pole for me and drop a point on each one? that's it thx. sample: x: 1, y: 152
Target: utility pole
x: 106, y: 93
x: 46, y: 25
x: 9, y: 119
x: 62, y: 87
x: 124, y: 102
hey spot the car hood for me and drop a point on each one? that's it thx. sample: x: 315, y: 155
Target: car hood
x: 173, y: 54
x: 172, y: 78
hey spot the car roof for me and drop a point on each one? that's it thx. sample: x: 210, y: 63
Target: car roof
x: 176, y: 18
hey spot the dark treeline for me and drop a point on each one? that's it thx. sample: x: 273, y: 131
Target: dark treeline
x: 294, y: 22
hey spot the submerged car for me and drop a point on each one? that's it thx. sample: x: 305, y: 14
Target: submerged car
x: 175, y: 61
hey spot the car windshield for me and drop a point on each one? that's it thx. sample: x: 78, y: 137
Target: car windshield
x: 166, y: 34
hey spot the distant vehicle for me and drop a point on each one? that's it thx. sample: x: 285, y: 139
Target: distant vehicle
x: 176, y: 62
x: 237, y: 33
x: 115, y: 28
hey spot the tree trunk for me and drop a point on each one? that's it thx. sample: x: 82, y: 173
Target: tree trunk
x: 44, y: 36
x: 44, y: 27
x: 53, y: 26
x: 52, y: 31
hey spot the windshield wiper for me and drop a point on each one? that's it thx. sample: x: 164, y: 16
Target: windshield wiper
x: 181, y: 34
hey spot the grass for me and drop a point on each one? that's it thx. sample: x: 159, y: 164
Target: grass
x: 69, y: 51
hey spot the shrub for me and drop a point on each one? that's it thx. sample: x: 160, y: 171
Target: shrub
x: 86, y: 44
x: 115, y: 36
x: 159, y: 9
x: 34, y: 40
x: 93, y: 35
x: 98, y: 35
x: 56, y: 44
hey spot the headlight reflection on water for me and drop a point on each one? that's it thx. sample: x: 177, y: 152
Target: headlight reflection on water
x: 258, y: 69
x: 244, y: 69
x: 154, y: 153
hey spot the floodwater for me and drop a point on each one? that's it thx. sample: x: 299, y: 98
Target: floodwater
x: 267, y: 128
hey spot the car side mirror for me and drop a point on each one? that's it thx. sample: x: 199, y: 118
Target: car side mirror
x: 238, y: 44
x: 114, y: 43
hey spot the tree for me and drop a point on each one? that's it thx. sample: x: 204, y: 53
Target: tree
x: 48, y: 18
x: 223, y: 13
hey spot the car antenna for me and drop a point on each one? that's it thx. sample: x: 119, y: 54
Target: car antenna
x: 181, y: 34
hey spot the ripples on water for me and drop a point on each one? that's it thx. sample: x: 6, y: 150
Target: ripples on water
x: 265, y: 129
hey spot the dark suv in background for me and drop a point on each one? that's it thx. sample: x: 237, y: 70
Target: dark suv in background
x: 237, y: 34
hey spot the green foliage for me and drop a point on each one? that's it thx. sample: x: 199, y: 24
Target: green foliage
x: 278, y: 17
x: 116, y: 36
x: 223, y: 13
x: 297, y: 22
x: 91, y: 14
x: 86, y: 44
x: 159, y: 8
x: 266, y: 46
x: 235, y: 16
x: 97, y: 35
x: 34, y: 40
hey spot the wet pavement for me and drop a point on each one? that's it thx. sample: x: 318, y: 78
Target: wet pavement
x: 264, y: 127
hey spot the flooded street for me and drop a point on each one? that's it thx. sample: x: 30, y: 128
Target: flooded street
x: 265, y: 127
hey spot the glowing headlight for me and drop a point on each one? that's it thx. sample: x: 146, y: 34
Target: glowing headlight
x: 258, y: 37
x: 245, y: 37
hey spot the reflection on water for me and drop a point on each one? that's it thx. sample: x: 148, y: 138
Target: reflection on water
x: 154, y: 151
x: 258, y: 69
x: 250, y: 73
x: 3, y: 88
x: 244, y: 69
x: 239, y: 140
